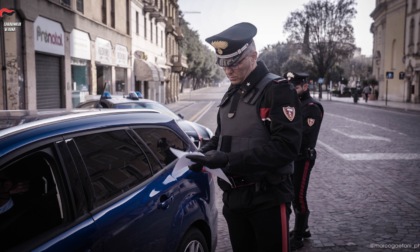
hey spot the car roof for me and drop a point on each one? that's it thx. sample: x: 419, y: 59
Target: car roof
x: 116, y: 99
x: 15, y: 137
x: 121, y: 100
x: 10, y: 118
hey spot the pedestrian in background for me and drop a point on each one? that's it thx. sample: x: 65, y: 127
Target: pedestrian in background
x: 257, y: 138
x: 312, y: 114
x: 366, y: 92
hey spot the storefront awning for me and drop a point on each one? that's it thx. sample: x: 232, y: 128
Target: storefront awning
x: 147, y: 71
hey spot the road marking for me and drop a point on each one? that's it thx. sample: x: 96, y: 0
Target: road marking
x: 364, y: 123
x: 197, y: 116
x: 364, y: 137
x: 370, y: 156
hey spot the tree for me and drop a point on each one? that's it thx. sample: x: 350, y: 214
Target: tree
x: 274, y: 56
x: 327, y: 25
x: 359, y: 67
x: 200, y: 59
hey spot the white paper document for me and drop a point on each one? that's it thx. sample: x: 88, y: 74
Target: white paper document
x: 183, y: 162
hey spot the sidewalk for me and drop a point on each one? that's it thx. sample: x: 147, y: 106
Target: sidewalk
x: 376, y: 103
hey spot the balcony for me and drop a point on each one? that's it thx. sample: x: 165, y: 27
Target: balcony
x: 158, y: 16
x: 148, y: 7
x: 411, y: 48
x: 170, y: 26
x: 179, y: 35
x: 179, y: 63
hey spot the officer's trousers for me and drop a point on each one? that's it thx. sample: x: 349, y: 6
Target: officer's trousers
x: 300, y: 177
x: 265, y: 230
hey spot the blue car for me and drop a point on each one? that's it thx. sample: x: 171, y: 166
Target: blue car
x: 102, y: 181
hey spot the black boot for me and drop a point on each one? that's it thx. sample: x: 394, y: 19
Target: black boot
x: 306, y: 233
x: 300, y: 231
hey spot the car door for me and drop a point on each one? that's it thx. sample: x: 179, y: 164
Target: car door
x: 48, y: 214
x: 131, y: 203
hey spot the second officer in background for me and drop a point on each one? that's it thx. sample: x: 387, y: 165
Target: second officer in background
x: 312, y: 114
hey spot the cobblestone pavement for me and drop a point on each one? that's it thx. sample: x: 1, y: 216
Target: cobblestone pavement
x: 355, y: 208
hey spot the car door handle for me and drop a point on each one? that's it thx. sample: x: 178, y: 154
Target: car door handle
x: 165, y: 201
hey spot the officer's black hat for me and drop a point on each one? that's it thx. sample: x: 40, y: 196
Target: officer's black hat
x: 232, y: 43
x: 296, y: 78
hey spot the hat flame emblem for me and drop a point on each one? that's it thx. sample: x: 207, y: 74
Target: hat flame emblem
x: 220, y: 46
x: 290, y: 76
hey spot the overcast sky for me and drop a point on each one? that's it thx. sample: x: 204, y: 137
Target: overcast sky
x: 268, y: 16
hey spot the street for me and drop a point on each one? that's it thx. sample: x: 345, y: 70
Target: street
x: 364, y: 193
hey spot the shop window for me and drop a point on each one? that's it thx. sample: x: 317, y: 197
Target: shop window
x: 120, y: 74
x: 80, y: 78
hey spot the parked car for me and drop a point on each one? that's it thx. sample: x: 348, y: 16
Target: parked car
x: 199, y: 133
x: 102, y: 181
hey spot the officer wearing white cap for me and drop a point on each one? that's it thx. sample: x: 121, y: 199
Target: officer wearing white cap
x: 257, y: 138
x: 312, y: 113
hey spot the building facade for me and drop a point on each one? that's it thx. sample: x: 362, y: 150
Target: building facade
x: 156, y: 36
x: 396, y: 49
x: 56, y: 53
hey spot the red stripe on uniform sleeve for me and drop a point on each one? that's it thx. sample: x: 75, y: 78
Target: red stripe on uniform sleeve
x: 264, y: 113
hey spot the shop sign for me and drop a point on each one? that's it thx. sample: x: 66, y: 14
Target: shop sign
x: 103, y: 51
x: 79, y: 45
x: 48, y: 36
x: 121, y: 55
x: 78, y: 62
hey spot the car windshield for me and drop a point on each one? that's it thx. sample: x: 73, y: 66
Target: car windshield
x: 149, y: 105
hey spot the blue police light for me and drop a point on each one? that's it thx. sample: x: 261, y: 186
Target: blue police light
x: 132, y: 96
x: 139, y: 94
x: 106, y: 95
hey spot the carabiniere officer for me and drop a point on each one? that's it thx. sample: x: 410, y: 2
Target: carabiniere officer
x: 257, y: 138
x: 312, y: 114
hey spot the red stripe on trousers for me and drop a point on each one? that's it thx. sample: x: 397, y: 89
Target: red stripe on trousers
x: 302, y: 187
x: 284, y: 231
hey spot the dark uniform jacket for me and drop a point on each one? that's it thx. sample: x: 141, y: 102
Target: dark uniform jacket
x: 312, y: 114
x: 260, y: 129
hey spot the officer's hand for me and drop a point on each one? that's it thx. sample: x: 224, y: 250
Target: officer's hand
x: 196, y: 167
x: 211, y: 159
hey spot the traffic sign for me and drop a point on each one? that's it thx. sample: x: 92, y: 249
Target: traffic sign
x: 401, y: 75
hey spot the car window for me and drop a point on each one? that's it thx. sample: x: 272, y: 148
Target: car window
x: 31, y: 201
x: 115, y: 163
x: 129, y: 106
x: 159, y: 140
x: 91, y: 104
